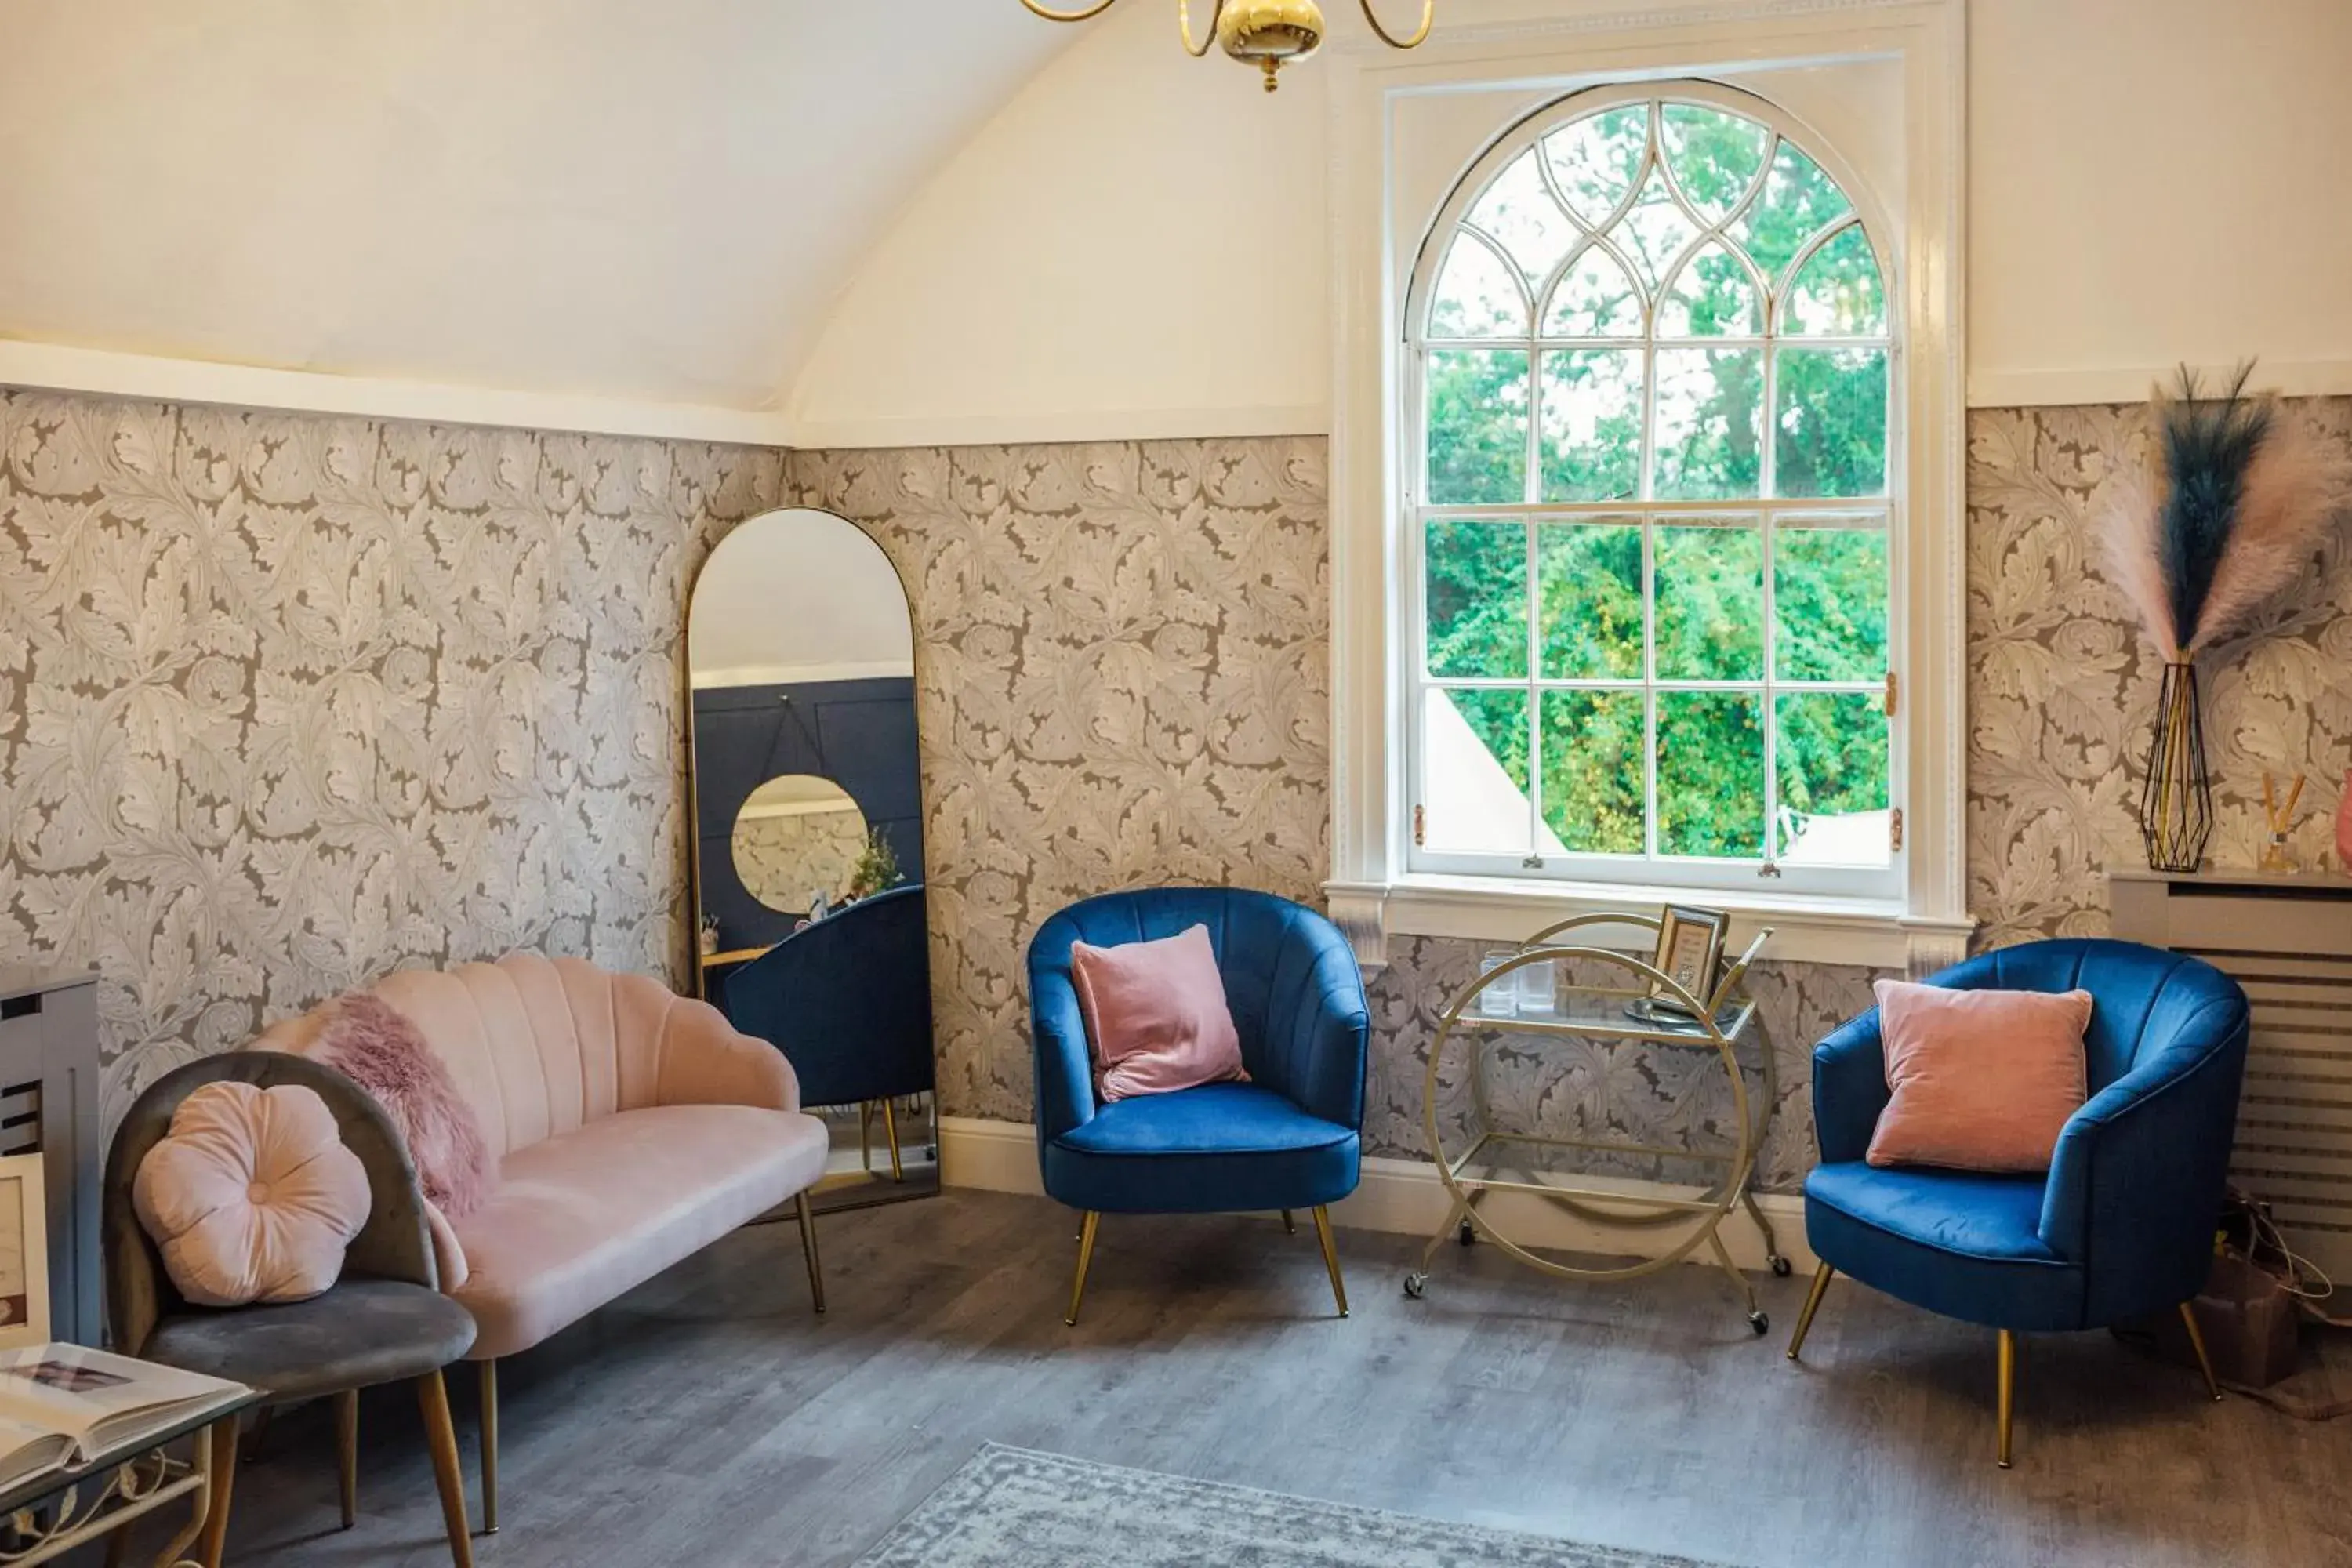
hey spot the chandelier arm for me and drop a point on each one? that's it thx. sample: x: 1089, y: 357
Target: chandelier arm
x: 1184, y: 26
x: 1428, y: 13
x: 1078, y: 15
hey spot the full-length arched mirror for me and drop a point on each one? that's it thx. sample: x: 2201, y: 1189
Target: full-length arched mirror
x: 809, y: 835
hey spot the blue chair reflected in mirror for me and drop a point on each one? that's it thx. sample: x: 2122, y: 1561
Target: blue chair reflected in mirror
x: 849, y: 1002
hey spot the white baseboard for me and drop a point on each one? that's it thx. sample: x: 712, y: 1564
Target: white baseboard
x: 994, y: 1156
x: 1406, y: 1197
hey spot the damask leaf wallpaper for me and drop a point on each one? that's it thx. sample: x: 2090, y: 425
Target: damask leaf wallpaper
x: 288, y: 702
x: 2063, y: 689
x: 1122, y: 654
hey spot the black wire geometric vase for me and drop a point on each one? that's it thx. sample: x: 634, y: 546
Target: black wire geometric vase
x: 2176, y: 804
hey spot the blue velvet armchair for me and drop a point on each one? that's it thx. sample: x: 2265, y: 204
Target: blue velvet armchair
x: 2122, y: 1227
x: 1287, y: 1140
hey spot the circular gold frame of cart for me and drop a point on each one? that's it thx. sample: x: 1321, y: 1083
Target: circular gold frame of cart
x: 1705, y: 1214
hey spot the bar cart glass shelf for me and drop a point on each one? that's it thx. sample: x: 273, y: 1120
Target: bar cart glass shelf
x: 1626, y: 1016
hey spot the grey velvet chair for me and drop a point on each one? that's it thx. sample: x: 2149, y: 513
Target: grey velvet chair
x: 384, y: 1320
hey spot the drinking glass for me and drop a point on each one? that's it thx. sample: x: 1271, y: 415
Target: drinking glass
x: 1500, y: 1000
x: 1540, y: 990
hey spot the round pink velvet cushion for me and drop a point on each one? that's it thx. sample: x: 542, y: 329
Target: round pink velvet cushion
x: 251, y: 1196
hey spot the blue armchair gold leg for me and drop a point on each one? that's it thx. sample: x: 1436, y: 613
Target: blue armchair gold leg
x: 2197, y: 1343
x: 1289, y: 1223
x: 2008, y: 1403
x: 1821, y: 1278
x: 1086, y: 1255
x: 1330, y: 1256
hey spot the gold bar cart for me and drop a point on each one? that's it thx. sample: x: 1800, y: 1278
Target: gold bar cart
x: 1502, y: 1162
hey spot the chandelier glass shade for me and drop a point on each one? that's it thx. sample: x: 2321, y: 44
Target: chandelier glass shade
x: 1268, y: 34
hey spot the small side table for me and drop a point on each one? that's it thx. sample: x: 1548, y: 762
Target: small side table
x: 1499, y: 1161
x: 43, y: 1519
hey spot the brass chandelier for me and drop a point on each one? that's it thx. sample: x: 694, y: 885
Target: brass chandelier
x: 1268, y: 33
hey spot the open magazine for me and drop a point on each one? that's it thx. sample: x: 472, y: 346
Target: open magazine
x: 62, y: 1406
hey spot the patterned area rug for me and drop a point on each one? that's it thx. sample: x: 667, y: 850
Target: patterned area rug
x: 1009, y: 1508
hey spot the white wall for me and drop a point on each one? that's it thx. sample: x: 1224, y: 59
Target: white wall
x: 2154, y: 181
x: 1133, y: 247
x: 2150, y: 181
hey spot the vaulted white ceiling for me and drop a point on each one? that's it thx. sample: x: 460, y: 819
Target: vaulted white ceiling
x: 644, y: 199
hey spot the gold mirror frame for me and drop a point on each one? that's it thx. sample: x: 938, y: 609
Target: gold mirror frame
x: 686, y: 691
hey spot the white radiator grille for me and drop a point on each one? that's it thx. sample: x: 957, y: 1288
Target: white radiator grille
x: 2294, y: 1117
x: 2289, y: 945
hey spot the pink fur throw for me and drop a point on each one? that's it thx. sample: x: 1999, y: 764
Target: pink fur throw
x: 373, y: 1044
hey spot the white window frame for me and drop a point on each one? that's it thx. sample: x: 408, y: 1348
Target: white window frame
x: 1771, y: 514
x: 1914, y: 916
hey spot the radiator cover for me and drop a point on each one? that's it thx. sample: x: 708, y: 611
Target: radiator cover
x: 2288, y: 941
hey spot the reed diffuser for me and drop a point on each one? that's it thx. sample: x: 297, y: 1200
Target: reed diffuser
x: 2232, y: 509
x: 2278, y: 827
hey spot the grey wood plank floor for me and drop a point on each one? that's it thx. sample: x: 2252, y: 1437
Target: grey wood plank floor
x: 709, y: 1418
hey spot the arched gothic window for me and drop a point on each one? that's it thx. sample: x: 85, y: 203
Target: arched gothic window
x: 1651, y: 443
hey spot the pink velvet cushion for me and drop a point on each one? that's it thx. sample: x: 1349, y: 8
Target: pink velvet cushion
x: 374, y: 1044
x: 1982, y: 1080
x: 251, y: 1196
x: 1156, y: 1015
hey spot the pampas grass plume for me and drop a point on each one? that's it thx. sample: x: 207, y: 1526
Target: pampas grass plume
x: 2236, y: 498
x: 2294, y: 487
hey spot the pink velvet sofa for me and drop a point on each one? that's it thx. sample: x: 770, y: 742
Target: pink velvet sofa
x: 631, y: 1128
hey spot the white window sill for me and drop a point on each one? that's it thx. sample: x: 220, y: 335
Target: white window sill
x: 1806, y: 930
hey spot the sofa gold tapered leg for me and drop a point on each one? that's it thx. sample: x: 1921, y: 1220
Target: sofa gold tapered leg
x: 2008, y: 1400
x: 890, y: 1131
x: 1821, y: 1278
x: 1330, y: 1256
x: 866, y: 1134
x: 490, y: 1386
x: 808, y: 1251
x: 1289, y: 1224
x: 347, y: 1453
x: 448, y: 1472
x: 1086, y: 1255
x: 2197, y: 1343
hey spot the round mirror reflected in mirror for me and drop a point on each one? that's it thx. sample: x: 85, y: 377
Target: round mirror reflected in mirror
x: 798, y: 840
